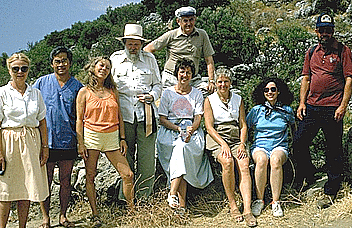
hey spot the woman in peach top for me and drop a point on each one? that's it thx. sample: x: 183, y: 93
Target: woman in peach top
x: 100, y: 128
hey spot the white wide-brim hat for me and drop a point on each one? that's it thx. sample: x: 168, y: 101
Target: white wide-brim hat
x: 133, y: 31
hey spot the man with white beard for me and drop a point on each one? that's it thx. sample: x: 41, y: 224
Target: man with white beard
x: 137, y: 76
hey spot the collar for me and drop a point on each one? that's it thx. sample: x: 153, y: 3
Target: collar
x: 180, y: 33
x: 334, y: 47
x: 29, y: 88
x: 123, y: 57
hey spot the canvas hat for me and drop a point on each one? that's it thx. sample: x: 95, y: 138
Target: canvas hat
x: 133, y: 31
x: 185, y: 11
x: 325, y: 20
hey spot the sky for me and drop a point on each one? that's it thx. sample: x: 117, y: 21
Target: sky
x: 28, y: 21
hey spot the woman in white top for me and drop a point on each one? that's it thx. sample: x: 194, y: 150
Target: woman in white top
x: 24, y: 143
x: 180, y: 141
x: 225, y: 121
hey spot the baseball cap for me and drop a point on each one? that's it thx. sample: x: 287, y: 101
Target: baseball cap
x: 185, y: 11
x: 325, y: 20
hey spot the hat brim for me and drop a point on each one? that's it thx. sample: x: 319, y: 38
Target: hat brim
x: 132, y: 37
x: 324, y: 24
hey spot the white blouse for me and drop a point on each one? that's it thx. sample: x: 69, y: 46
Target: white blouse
x: 21, y: 111
x: 223, y: 114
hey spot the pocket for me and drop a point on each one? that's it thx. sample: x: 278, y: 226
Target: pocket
x: 145, y: 76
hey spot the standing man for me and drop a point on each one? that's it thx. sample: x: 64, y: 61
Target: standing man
x: 137, y: 75
x: 59, y: 91
x: 324, y: 96
x: 187, y: 41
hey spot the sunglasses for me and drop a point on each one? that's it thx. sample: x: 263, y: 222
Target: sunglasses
x: 16, y: 69
x: 273, y: 89
x: 327, y: 30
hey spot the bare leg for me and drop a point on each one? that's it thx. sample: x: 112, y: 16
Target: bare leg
x: 228, y: 179
x: 121, y: 165
x: 45, y: 205
x: 277, y: 159
x: 22, y: 209
x: 245, y: 183
x: 261, y: 168
x: 91, y: 170
x: 4, y: 212
x: 65, y: 170
x: 182, y: 193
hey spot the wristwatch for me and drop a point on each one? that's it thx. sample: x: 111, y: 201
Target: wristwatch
x: 212, y: 81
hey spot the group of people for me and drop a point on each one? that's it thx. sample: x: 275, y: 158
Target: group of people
x: 51, y: 122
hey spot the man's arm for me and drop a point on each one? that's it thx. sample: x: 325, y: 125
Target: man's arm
x: 301, y: 111
x: 341, y: 110
x: 211, y: 68
x: 149, y: 48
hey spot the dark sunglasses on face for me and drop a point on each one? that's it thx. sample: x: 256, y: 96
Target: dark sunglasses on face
x: 16, y: 69
x: 273, y: 89
x: 327, y: 30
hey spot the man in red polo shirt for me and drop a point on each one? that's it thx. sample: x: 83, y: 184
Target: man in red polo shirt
x: 324, y: 96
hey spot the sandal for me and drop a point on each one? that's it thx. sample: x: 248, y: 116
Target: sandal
x: 173, y: 201
x: 67, y: 224
x: 251, y: 221
x: 95, y: 221
x: 236, y: 214
x: 45, y: 225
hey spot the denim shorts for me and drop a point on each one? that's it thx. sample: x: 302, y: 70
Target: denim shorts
x: 269, y: 153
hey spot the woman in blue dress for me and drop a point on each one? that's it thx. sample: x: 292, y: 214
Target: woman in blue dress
x: 270, y: 121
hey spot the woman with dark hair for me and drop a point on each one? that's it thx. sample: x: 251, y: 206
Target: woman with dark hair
x: 100, y: 128
x: 270, y: 121
x: 180, y: 141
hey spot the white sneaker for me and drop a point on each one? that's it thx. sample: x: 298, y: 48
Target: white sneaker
x: 257, y: 207
x: 276, y: 209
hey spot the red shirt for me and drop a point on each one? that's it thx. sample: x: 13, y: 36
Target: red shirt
x: 326, y: 82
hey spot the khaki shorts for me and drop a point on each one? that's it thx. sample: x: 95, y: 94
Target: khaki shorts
x: 101, y: 141
x: 228, y: 132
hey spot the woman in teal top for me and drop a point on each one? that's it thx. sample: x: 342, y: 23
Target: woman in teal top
x: 270, y: 120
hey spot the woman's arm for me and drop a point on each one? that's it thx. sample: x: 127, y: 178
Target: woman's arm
x: 168, y: 124
x: 241, y: 151
x: 80, y: 107
x: 2, y: 153
x: 44, y: 150
x: 123, y: 143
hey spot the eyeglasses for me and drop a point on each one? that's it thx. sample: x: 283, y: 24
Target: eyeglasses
x: 16, y: 69
x: 327, y: 30
x: 58, y: 61
x: 186, y: 20
x: 273, y: 89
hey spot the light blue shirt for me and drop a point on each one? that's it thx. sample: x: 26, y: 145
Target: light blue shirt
x: 61, y: 110
x: 272, y: 131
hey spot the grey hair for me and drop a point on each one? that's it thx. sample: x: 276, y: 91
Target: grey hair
x: 223, y: 71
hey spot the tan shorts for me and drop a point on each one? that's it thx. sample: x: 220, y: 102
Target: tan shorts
x: 101, y: 141
x: 230, y: 133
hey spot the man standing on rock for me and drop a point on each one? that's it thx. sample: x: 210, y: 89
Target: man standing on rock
x: 187, y: 41
x: 59, y: 91
x: 324, y: 96
x: 137, y: 76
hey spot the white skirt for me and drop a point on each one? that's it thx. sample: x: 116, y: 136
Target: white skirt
x: 24, y: 178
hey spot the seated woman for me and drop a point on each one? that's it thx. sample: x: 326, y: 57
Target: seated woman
x: 180, y: 140
x: 225, y: 122
x: 270, y: 120
x: 100, y: 128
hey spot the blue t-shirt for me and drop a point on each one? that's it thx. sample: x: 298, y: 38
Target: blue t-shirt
x: 61, y: 110
x: 272, y: 131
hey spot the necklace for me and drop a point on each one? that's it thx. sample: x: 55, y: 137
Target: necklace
x: 224, y: 100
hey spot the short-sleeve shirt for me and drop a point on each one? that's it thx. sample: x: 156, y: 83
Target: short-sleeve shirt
x: 272, y: 131
x: 61, y: 110
x: 21, y: 111
x: 176, y: 106
x: 326, y: 82
x: 180, y: 45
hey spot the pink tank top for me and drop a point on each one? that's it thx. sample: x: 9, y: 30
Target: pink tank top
x: 101, y: 114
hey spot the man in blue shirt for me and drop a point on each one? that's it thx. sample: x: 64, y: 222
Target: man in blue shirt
x: 59, y: 91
